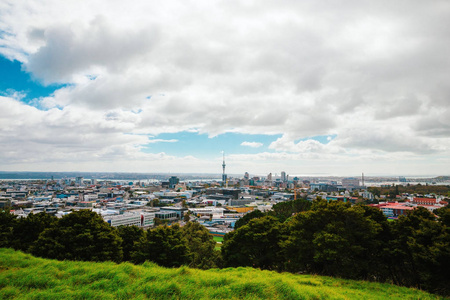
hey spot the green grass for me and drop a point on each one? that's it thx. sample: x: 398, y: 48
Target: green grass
x: 23, y: 276
x: 218, y: 239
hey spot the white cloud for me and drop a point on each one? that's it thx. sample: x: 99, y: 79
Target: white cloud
x: 152, y: 141
x: 67, y: 139
x: 285, y: 144
x: 251, y: 144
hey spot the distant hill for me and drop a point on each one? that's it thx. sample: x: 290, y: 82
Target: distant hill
x: 24, y: 276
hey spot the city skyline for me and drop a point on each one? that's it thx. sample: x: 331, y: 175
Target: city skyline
x: 301, y: 87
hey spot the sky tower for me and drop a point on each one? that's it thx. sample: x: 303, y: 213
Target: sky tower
x: 224, y: 176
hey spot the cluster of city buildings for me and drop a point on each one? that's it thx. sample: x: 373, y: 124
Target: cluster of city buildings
x: 217, y: 204
x: 393, y: 209
x: 132, y: 203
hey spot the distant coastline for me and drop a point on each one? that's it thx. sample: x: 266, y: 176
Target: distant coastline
x: 119, y: 176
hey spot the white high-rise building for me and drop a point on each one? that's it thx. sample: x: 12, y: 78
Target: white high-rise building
x: 350, y: 182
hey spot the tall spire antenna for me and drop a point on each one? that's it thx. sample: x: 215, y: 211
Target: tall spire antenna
x: 223, y: 164
x: 224, y: 176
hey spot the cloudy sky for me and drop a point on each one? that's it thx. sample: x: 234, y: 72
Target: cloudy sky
x: 306, y: 87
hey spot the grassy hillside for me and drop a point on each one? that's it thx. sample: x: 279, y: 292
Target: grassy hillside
x: 24, y: 276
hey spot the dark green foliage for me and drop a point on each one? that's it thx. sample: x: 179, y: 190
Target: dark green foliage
x: 27, y: 230
x: 163, y: 245
x: 377, y: 258
x: 156, y: 203
x: 421, y: 252
x: 333, y: 239
x: 444, y: 215
x: 130, y: 236
x: 248, y: 217
x: 410, y: 189
x: 201, y: 246
x: 7, y: 223
x: 187, y: 217
x: 159, y: 222
x: 285, y: 210
x: 80, y: 235
x: 255, y: 244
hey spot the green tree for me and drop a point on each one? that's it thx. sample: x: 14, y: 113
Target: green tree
x: 332, y: 239
x: 130, y: 236
x: 187, y: 217
x: 248, y: 217
x: 255, y: 244
x: 80, y: 235
x: 421, y: 252
x: 156, y: 203
x: 27, y: 230
x: 7, y: 223
x: 444, y: 215
x: 201, y: 246
x: 163, y: 245
x: 375, y: 191
x: 159, y: 221
x: 377, y: 258
x: 285, y: 210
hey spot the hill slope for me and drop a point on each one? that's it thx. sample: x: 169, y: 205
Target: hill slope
x: 24, y: 276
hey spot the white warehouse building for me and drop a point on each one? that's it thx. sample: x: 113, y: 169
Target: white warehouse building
x: 140, y: 219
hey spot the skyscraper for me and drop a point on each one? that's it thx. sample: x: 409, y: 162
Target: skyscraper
x: 79, y: 180
x: 173, y: 181
x: 283, y: 176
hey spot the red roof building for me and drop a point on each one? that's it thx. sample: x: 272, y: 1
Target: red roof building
x: 425, y: 201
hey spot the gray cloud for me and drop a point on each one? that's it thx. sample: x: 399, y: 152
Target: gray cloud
x: 74, y: 48
x: 373, y: 73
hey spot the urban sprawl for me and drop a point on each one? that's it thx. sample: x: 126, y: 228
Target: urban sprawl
x: 217, y: 204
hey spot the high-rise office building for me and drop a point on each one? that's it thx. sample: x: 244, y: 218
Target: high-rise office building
x: 283, y: 176
x: 173, y: 181
x: 79, y: 180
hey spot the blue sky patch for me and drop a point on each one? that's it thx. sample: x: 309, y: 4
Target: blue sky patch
x: 14, y: 79
x: 200, y: 145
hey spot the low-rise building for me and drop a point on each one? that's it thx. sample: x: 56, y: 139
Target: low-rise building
x: 208, y: 211
x: 180, y: 211
x: 167, y: 215
x: 393, y: 209
x: 140, y: 219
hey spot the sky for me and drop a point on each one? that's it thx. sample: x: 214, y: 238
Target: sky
x: 306, y: 87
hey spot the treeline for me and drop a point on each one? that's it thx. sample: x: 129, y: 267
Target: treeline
x: 83, y: 235
x: 394, y: 190
x: 355, y: 242
x: 334, y: 239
